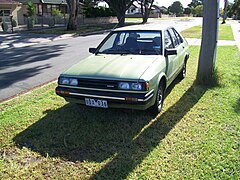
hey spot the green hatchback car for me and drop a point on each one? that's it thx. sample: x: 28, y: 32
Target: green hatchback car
x: 131, y: 68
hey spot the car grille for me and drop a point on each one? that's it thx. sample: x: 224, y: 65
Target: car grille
x: 97, y: 83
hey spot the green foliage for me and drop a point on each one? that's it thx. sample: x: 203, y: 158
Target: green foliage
x: 236, y: 9
x: 93, y: 12
x: 14, y: 23
x: 230, y: 10
x: 4, y: 26
x: 187, y: 10
x: 30, y: 22
x: 176, y: 8
x: 198, y: 10
x: 195, y: 3
x: 31, y: 8
x: 56, y: 12
x: 51, y: 22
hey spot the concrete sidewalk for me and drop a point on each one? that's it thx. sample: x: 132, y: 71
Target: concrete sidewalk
x: 236, y: 32
x: 197, y: 42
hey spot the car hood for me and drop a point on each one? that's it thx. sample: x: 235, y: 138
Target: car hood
x: 112, y: 66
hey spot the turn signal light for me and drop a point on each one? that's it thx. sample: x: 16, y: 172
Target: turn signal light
x: 147, y: 86
x: 62, y: 92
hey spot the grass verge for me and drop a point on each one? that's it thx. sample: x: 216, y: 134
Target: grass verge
x: 225, y: 32
x: 81, y: 30
x: 196, y: 136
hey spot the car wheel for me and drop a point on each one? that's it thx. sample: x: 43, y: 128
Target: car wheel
x: 157, y: 107
x: 183, y: 72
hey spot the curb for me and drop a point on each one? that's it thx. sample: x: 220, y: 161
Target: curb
x: 27, y: 91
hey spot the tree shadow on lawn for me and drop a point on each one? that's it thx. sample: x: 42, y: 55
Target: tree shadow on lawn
x: 87, y: 134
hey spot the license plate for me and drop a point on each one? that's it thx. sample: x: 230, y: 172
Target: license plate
x: 96, y: 103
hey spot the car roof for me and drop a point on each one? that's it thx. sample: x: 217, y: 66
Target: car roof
x: 147, y: 27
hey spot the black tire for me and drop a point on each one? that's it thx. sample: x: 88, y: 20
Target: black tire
x: 157, y: 107
x: 183, y: 72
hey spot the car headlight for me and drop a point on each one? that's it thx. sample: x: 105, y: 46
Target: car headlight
x: 123, y: 85
x: 64, y: 81
x: 136, y: 86
x: 132, y: 86
x: 68, y: 81
x: 73, y: 82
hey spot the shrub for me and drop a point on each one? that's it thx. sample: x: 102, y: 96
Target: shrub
x: 14, y: 23
x: 4, y: 26
x: 51, y: 22
x: 56, y: 12
x: 30, y: 22
x: 92, y: 12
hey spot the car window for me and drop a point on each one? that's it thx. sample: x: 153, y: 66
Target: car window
x: 174, y: 38
x: 109, y: 44
x: 180, y: 40
x: 143, y: 42
x: 168, y: 40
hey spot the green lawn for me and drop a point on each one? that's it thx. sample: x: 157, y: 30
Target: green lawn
x: 196, y: 136
x: 225, y: 32
x: 133, y: 19
x: 81, y: 30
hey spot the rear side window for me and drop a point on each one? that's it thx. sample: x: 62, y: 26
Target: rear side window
x: 168, y: 40
x: 176, y: 42
x: 180, y: 40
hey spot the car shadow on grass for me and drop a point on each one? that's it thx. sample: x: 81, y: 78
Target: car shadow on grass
x: 123, y: 138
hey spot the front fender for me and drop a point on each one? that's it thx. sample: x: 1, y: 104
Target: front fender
x: 160, y: 77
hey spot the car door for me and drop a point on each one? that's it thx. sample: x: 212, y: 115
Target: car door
x: 178, y: 44
x: 170, y: 59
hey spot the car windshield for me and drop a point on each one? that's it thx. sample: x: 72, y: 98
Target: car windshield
x: 132, y: 42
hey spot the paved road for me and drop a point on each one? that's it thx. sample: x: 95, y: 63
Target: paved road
x: 23, y: 67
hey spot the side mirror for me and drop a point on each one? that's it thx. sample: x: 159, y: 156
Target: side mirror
x: 169, y: 52
x: 92, y: 50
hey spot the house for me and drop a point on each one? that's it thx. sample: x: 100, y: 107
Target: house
x: 45, y: 7
x: 9, y: 7
x: 18, y: 8
x: 135, y: 10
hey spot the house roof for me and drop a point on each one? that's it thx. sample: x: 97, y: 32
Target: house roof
x: 9, y: 2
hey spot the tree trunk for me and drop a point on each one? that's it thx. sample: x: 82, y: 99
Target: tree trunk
x: 207, y: 57
x: 225, y: 11
x: 120, y: 7
x: 121, y: 19
x: 73, y: 12
x: 146, y: 8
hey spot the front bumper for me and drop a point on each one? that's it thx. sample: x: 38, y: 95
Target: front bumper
x: 115, y: 99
